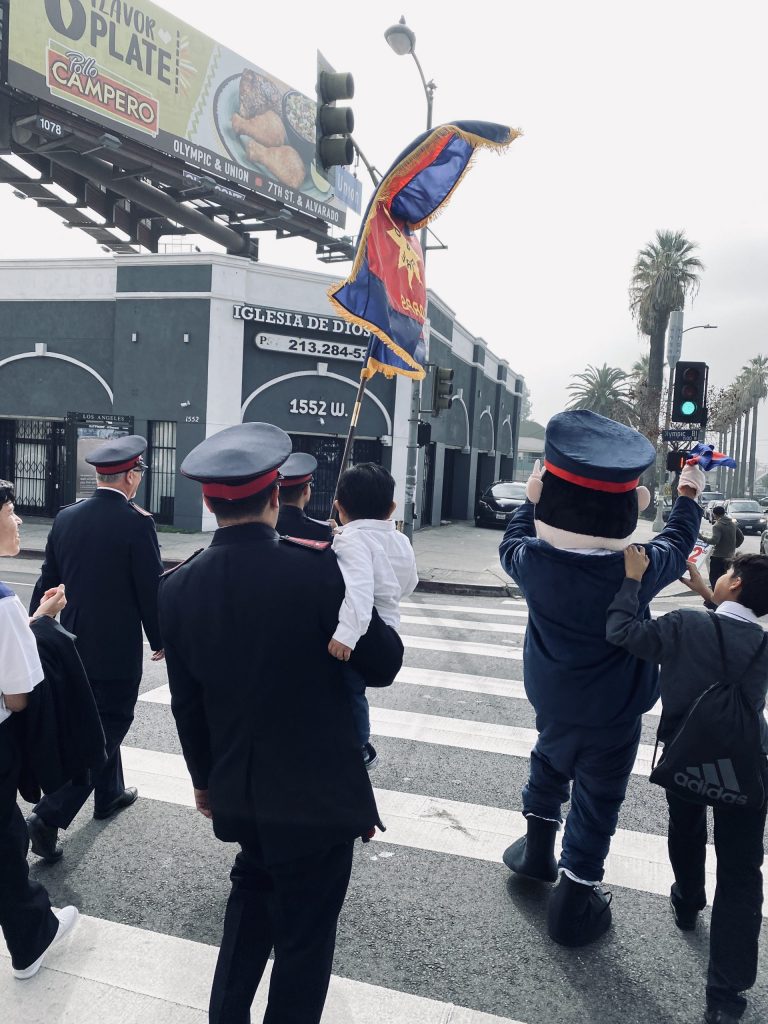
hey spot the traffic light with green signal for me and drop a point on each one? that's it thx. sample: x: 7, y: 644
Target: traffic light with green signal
x: 689, y: 393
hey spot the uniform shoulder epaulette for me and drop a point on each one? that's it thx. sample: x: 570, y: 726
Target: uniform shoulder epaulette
x: 313, y: 545
x: 140, y: 510
x: 179, y: 564
x: 73, y: 503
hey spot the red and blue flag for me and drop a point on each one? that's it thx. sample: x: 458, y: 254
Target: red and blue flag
x: 386, y: 292
x: 705, y: 457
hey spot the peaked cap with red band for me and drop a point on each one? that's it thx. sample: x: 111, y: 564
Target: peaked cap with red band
x: 239, y: 461
x: 298, y: 468
x: 118, y: 455
x: 592, y: 451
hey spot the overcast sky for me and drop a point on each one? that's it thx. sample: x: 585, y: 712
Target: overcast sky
x: 635, y: 117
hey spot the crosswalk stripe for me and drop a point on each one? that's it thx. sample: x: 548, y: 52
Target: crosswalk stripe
x: 134, y: 975
x: 434, y: 643
x: 480, y: 627
x: 463, y: 733
x: 520, y: 608
x: 637, y: 860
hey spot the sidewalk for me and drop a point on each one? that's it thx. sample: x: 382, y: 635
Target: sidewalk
x: 457, y: 558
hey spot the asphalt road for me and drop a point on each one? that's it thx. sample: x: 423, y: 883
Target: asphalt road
x: 431, y: 910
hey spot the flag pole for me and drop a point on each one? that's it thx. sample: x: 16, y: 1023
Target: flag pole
x: 365, y: 376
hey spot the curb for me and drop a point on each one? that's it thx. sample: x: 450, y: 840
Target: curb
x: 424, y: 586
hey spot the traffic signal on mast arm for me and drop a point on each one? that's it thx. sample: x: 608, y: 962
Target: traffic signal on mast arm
x: 443, y: 388
x: 334, y: 125
x: 689, y: 393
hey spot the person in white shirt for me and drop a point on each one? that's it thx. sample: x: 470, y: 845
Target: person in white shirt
x: 379, y: 570
x: 29, y: 925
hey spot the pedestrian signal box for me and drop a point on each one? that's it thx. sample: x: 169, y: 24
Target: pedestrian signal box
x: 676, y: 461
x: 689, y: 393
x: 443, y: 385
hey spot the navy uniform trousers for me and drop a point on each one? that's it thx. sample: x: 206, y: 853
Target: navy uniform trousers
x: 116, y: 701
x: 293, y: 908
x: 599, y: 762
x: 28, y: 923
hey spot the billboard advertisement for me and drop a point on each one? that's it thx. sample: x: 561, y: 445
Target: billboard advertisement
x: 140, y: 72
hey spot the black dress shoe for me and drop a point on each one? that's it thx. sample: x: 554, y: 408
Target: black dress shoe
x: 686, y: 914
x: 127, y: 797
x: 44, y: 839
x: 720, y: 1017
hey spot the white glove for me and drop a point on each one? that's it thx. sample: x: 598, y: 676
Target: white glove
x: 534, y: 483
x: 692, y: 476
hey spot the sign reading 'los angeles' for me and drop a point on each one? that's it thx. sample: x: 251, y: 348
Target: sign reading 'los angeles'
x: 151, y: 77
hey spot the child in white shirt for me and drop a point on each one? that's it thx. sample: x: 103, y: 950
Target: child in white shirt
x: 379, y: 570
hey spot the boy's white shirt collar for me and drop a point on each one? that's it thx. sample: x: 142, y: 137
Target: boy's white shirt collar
x: 369, y: 524
x: 734, y: 610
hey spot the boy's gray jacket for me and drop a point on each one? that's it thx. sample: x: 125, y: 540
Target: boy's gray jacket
x: 684, y: 643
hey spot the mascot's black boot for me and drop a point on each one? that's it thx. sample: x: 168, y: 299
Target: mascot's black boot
x: 533, y: 855
x: 577, y: 914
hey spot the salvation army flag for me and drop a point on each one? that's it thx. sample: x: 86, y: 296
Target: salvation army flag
x: 705, y: 457
x: 386, y: 292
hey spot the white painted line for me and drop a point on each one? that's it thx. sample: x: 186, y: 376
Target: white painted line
x: 479, y: 627
x: 469, y: 609
x: 637, y: 860
x: 462, y: 681
x: 146, y: 975
x: 434, y: 643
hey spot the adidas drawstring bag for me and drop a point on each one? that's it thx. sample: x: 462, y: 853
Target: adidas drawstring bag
x: 715, y: 755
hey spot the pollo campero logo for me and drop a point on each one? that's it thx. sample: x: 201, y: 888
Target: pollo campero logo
x: 79, y: 79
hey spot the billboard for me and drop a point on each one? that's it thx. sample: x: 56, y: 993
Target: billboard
x: 140, y: 72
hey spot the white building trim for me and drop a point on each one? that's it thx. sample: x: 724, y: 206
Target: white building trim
x: 487, y: 412
x: 315, y: 373
x: 65, y: 359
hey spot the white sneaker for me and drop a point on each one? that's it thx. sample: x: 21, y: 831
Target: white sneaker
x: 67, y: 920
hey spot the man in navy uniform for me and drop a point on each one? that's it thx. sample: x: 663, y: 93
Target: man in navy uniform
x: 564, y: 548
x: 105, y: 551
x: 297, y: 477
x: 266, y: 727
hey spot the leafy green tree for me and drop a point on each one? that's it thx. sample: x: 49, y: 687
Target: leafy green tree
x: 605, y: 390
x: 665, y: 273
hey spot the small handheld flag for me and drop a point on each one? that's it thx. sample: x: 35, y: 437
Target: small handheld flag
x: 386, y: 292
x: 705, y: 457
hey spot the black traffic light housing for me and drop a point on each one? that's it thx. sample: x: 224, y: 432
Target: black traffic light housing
x: 442, y: 383
x: 334, y: 125
x: 676, y: 461
x: 689, y: 394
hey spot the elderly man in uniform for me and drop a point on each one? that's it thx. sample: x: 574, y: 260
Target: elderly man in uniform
x: 266, y: 726
x: 105, y: 550
x: 297, y: 477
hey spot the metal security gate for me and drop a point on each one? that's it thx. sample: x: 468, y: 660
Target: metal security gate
x: 161, y: 475
x: 33, y: 456
x: 328, y: 452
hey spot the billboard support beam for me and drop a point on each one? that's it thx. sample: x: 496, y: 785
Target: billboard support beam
x: 157, y: 201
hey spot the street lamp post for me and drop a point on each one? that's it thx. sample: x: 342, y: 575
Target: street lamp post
x: 674, y: 352
x: 402, y: 40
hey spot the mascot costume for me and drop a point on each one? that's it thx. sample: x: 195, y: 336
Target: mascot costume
x: 564, y: 549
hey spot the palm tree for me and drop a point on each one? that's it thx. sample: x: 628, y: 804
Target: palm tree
x: 639, y: 369
x: 756, y: 372
x: 604, y: 390
x: 664, y: 275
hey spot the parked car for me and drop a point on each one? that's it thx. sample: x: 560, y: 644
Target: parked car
x: 764, y: 501
x: 708, y: 498
x: 497, y: 503
x: 748, y: 514
x: 710, y: 505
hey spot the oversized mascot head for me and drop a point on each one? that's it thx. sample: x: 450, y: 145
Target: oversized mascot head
x: 587, y: 494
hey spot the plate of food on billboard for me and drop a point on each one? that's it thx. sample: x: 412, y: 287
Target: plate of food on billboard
x: 270, y: 129
x: 152, y: 78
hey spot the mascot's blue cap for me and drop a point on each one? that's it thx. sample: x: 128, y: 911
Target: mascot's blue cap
x: 591, y: 451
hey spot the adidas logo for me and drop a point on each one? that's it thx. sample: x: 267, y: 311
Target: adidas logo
x: 723, y: 787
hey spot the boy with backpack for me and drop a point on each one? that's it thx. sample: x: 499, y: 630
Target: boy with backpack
x: 714, y: 679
